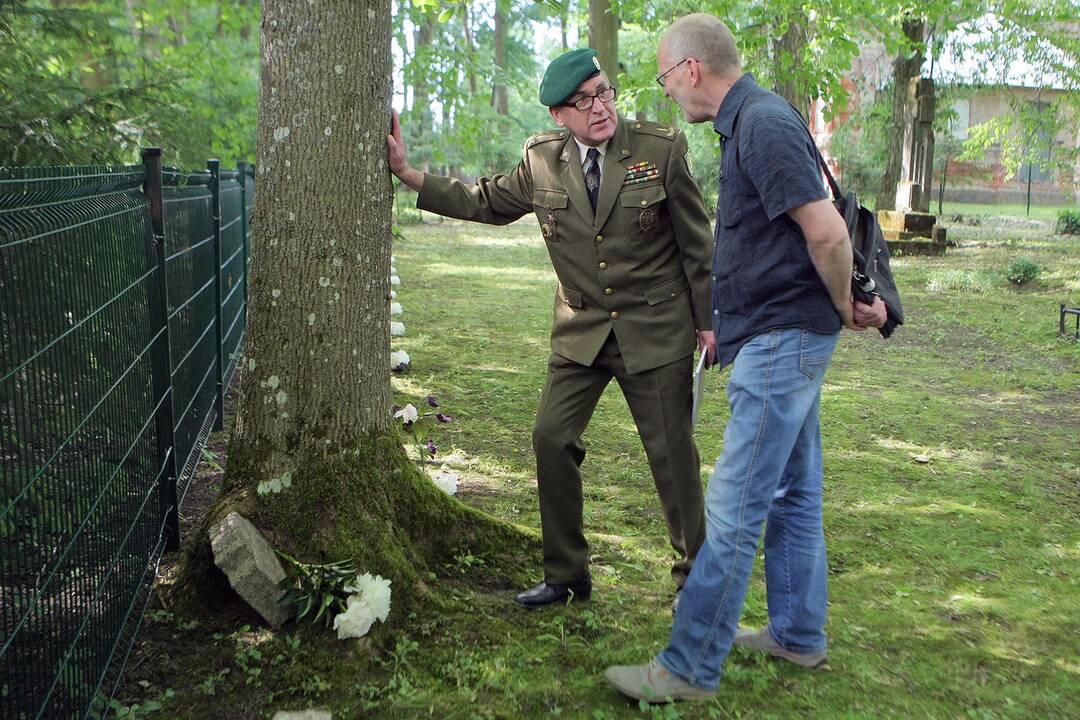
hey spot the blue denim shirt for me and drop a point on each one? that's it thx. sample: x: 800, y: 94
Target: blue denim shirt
x: 763, y: 278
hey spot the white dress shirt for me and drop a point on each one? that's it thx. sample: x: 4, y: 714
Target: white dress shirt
x: 584, y: 149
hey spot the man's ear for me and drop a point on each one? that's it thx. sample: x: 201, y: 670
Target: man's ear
x: 695, y: 71
x: 556, y: 116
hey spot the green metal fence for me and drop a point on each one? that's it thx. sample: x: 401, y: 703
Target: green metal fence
x: 123, y: 293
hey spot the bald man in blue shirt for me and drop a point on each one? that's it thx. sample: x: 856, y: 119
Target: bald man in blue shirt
x: 781, y: 294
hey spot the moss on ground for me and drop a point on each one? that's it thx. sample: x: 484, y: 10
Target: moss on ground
x: 370, y: 504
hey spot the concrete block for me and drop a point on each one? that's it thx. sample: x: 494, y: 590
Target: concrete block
x: 249, y: 562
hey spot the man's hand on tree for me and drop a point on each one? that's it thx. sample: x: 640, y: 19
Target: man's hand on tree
x: 399, y: 163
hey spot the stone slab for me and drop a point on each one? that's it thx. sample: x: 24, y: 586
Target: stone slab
x: 249, y: 562
x: 913, y: 222
x: 901, y: 248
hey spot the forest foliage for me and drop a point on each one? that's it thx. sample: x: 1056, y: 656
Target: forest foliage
x: 92, y: 81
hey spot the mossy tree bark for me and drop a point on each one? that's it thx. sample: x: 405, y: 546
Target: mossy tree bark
x: 315, y: 460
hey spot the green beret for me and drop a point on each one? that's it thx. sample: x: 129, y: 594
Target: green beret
x: 565, y: 73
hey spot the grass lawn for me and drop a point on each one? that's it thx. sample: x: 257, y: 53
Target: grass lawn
x: 953, y: 582
x: 1038, y: 212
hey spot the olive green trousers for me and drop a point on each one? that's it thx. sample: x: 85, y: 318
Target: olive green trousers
x: 660, y: 403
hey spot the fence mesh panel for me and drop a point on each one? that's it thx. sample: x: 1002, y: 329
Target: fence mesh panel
x: 189, y: 252
x: 81, y: 464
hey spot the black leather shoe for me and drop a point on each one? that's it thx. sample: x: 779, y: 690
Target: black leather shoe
x: 545, y: 594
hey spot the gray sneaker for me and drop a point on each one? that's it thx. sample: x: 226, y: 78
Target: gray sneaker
x: 653, y: 684
x: 762, y: 641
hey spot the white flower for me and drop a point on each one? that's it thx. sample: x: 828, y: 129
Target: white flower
x: 399, y: 359
x: 393, y: 294
x: 395, y: 280
x: 397, y: 329
x: 446, y: 480
x: 374, y: 591
x: 407, y: 414
x: 395, y: 308
x: 370, y: 602
x: 356, y: 620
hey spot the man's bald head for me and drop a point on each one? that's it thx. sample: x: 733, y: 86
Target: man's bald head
x: 705, y: 38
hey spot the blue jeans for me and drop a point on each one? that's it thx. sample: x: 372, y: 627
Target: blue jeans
x: 769, y: 472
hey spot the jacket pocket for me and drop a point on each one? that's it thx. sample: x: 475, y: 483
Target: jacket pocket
x: 641, y: 197
x: 570, y: 296
x: 667, y: 290
x: 550, y: 199
x: 550, y: 206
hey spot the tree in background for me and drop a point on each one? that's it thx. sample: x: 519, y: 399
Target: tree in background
x: 604, y: 36
x: 791, y: 40
x: 906, y: 66
x: 94, y: 81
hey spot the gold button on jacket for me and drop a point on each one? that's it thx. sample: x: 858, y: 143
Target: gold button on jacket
x: 655, y: 234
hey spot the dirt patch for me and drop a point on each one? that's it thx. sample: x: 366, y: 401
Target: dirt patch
x: 205, y: 485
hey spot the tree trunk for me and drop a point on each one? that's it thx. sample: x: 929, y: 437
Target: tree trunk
x: 315, y: 460
x: 604, y: 37
x: 787, y: 63
x: 906, y: 65
x: 421, y: 103
x: 499, y: 97
x: 420, y: 121
x: 564, y: 25
x: 470, y: 49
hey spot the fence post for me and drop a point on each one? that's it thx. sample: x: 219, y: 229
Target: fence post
x: 215, y: 192
x: 161, y: 351
x: 241, y: 172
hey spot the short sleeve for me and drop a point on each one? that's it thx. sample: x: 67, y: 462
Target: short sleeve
x: 777, y: 155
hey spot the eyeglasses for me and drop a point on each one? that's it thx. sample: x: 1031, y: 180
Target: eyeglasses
x: 661, y: 76
x: 586, y: 102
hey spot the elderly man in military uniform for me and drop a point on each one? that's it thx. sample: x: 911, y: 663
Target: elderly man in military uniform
x: 629, y: 238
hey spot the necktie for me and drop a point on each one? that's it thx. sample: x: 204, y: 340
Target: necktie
x: 592, y: 176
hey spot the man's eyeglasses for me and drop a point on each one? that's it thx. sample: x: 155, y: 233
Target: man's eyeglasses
x: 586, y: 102
x: 661, y: 76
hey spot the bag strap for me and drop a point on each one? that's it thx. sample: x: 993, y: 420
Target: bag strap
x: 858, y: 271
x: 833, y: 185
x: 837, y: 191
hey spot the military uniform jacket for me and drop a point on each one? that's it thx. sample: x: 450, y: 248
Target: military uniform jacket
x: 639, y: 267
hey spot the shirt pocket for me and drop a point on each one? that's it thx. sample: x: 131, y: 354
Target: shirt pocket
x: 550, y: 207
x: 730, y: 202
